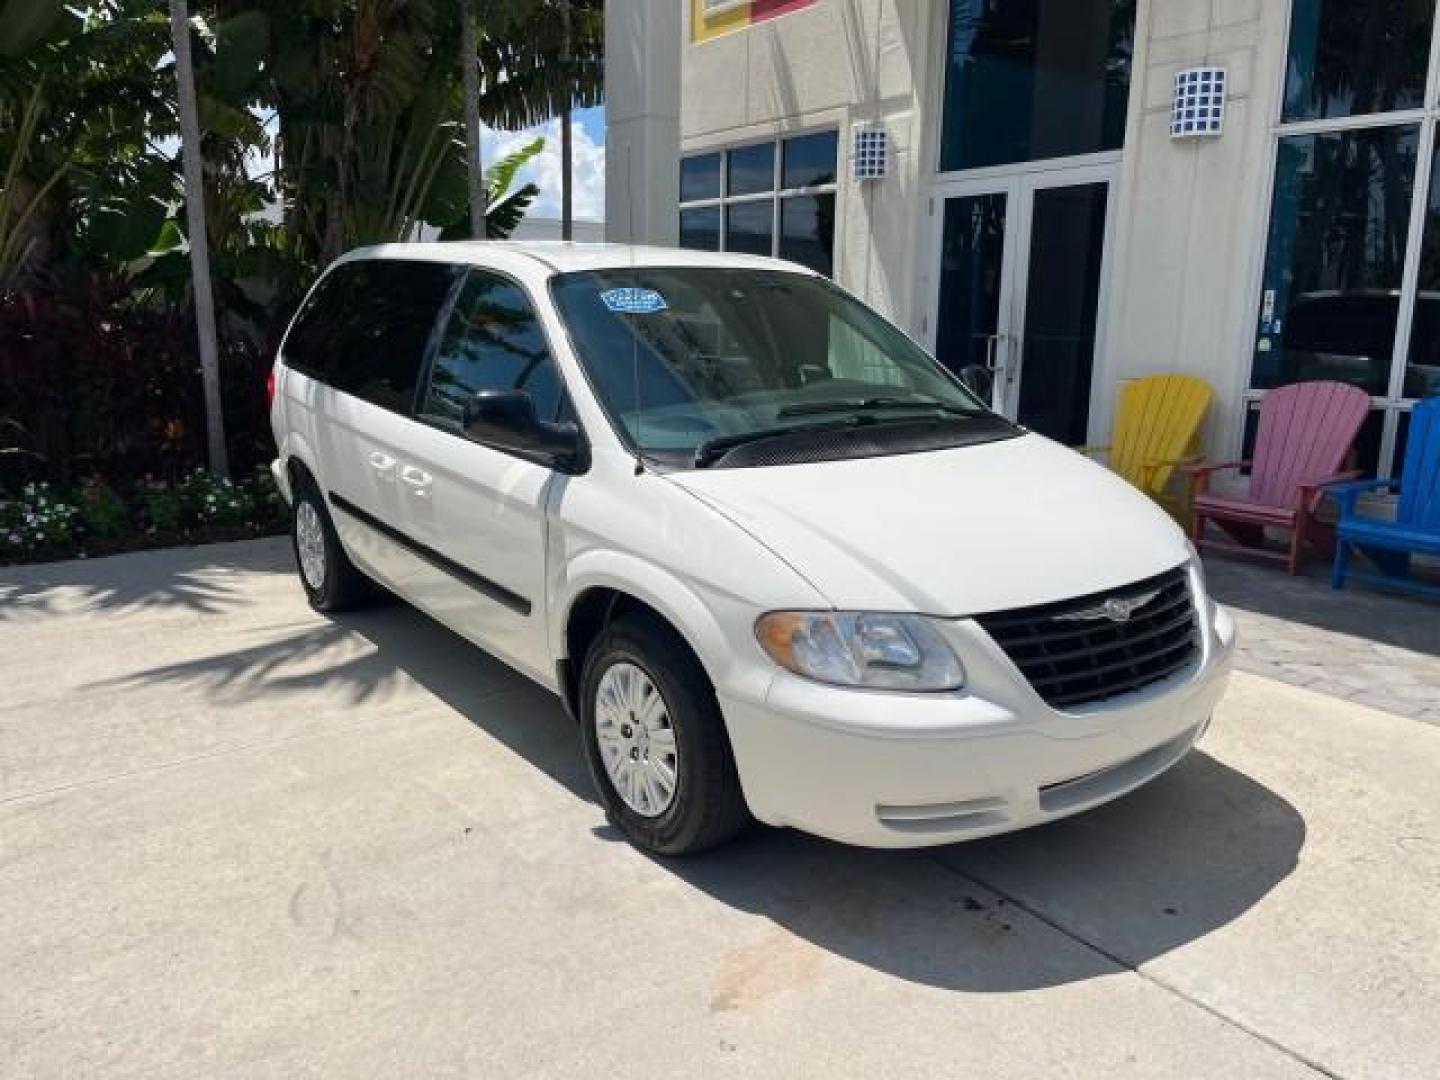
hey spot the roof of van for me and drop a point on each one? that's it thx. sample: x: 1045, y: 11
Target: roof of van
x: 566, y: 257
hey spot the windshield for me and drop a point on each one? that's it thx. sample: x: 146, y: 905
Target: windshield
x: 693, y: 362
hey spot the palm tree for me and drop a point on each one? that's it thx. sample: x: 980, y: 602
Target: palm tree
x: 199, y: 248
x: 552, y: 56
x: 474, y: 163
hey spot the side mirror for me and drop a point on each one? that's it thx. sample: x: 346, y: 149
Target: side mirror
x: 506, y: 420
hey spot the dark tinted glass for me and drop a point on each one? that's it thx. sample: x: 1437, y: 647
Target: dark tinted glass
x: 972, y: 260
x: 389, y: 317
x: 809, y: 160
x: 312, y: 346
x: 1422, y: 373
x: 752, y: 169
x: 492, y: 342
x: 700, y: 228
x: 1402, y: 445
x: 1351, y: 57
x: 1338, y: 230
x: 1067, y: 248
x: 749, y: 227
x: 700, y: 177
x: 1033, y: 79
x: 807, y: 231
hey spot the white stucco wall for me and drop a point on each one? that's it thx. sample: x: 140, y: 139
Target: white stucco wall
x: 830, y: 65
x: 1193, y: 214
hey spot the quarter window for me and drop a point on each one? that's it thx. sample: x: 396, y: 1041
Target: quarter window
x: 773, y: 198
x: 493, y: 341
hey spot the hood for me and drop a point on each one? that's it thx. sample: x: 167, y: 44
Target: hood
x: 955, y: 532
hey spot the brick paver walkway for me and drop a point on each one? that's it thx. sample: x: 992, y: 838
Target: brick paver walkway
x: 1362, y: 645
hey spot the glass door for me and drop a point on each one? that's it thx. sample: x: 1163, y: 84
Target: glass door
x: 972, y: 317
x: 1021, y: 273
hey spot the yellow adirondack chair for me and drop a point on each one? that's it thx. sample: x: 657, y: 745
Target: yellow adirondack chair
x: 1158, y: 427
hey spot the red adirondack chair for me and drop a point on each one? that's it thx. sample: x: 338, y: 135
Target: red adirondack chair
x: 1306, y: 433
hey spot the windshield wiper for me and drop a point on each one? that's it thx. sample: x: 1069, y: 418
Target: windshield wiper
x: 875, y: 404
x: 711, y: 451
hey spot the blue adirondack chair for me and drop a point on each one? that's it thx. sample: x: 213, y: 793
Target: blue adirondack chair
x: 1416, y: 528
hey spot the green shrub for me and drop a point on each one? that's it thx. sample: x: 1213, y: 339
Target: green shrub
x: 213, y: 500
x: 38, y: 521
x: 163, y: 509
x: 271, y: 510
x: 102, y: 512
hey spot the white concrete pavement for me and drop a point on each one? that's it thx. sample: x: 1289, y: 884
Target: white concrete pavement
x: 240, y: 840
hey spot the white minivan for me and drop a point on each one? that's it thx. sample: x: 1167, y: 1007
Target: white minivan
x: 777, y: 562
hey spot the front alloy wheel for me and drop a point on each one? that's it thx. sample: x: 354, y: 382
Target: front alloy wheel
x: 637, y: 741
x: 655, y: 740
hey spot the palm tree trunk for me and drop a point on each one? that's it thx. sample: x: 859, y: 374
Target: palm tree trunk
x: 193, y: 166
x: 474, y: 166
x: 567, y: 148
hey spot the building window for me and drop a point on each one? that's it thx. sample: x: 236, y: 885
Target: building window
x: 1351, y: 284
x: 773, y: 198
x: 1027, y: 80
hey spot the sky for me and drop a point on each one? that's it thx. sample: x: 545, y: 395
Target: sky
x: 544, y: 170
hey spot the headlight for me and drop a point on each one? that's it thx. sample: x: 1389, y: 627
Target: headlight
x: 880, y: 652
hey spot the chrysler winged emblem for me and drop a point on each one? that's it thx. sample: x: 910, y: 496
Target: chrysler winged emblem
x: 1116, y: 609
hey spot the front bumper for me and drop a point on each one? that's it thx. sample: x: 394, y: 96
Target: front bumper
x: 896, y: 770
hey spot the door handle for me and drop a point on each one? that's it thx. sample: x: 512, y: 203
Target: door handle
x: 418, y: 480
x: 383, y: 464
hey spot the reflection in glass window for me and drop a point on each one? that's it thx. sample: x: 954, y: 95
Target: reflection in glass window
x: 809, y: 160
x: 1336, y: 255
x: 700, y: 177
x: 1422, y: 372
x: 795, y: 221
x: 749, y: 227
x: 700, y: 228
x: 1033, y: 79
x: 388, y: 316
x: 752, y: 169
x: 1352, y: 57
x: 493, y: 342
x: 807, y: 231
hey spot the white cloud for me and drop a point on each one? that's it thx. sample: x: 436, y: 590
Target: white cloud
x: 544, y: 169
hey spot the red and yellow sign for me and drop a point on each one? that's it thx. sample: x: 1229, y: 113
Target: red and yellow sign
x: 711, y: 18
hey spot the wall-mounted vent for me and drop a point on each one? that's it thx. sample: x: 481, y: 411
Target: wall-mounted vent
x: 1198, y: 111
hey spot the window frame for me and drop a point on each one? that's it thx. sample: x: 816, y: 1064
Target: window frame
x: 777, y: 193
x: 1392, y: 404
x: 566, y: 411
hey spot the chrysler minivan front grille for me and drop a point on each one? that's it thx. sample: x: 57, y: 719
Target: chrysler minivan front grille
x: 1078, y: 652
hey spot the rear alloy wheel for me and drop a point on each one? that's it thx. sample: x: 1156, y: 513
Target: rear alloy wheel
x: 656, y: 742
x: 330, y: 580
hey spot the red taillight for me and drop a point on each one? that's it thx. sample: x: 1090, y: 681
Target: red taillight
x: 270, y: 388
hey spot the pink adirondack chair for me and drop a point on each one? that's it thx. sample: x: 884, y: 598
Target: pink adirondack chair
x: 1306, y: 432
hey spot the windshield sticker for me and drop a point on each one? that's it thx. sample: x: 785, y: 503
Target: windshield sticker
x: 633, y: 301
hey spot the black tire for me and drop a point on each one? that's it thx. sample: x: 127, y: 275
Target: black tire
x: 708, y: 807
x: 341, y: 586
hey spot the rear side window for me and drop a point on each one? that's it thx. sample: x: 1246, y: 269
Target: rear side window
x: 493, y: 342
x: 368, y: 326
